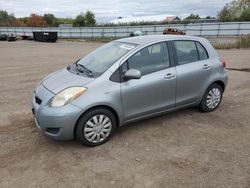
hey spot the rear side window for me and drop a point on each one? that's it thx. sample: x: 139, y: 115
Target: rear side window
x: 202, y: 51
x: 150, y: 59
x: 186, y: 52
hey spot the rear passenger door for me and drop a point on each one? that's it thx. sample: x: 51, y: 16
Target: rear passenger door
x: 193, y: 71
x: 155, y: 90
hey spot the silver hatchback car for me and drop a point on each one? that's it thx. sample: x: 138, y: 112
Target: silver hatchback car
x: 127, y: 80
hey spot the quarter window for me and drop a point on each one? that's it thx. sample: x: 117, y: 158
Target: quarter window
x: 150, y: 59
x: 202, y: 51
x: 186, y: 52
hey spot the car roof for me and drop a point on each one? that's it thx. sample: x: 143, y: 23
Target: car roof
x: 151, y: 38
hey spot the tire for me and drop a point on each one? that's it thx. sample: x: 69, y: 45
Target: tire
x: 95, y: 127
x: 212, y: 98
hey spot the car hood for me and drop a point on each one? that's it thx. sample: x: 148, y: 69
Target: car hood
x: 63, y: 79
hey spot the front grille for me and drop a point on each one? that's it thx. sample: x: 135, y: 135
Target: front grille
x: 38, y: 100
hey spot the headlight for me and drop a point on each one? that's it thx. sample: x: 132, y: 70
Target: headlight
x: 66, y: 96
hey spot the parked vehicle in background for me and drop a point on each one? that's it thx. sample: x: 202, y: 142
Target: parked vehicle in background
x: 125, y: 81
x: 26, y: 37
x: 11, y: 38
x: 135, y: 33
x: 3, y: 37
x: 173, y: 31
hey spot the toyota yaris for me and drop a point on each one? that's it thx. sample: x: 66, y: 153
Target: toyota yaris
x: 127, y: 80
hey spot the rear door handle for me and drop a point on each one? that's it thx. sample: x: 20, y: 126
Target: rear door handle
x: 205, y: 67
x: 169, y: 76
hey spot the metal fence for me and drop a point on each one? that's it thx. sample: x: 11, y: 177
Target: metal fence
x: 200, y: 29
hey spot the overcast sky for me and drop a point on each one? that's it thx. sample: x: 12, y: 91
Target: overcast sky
x: 106, y: 10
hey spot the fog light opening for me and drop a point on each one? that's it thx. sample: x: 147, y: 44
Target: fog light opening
x: 53, y: 130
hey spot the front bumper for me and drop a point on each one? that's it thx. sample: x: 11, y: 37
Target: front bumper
x: 57, y: 123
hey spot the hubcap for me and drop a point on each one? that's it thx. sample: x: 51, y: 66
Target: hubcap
x: 213, y: 98
x: 97, y: 128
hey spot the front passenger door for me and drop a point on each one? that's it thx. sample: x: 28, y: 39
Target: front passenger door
x: 155, y: 90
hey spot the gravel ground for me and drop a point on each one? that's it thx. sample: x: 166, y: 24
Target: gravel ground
x: 181, y: 149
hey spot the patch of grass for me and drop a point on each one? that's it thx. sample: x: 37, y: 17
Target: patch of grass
x: 104, y: 40
x: 242, y: 42
x: 72, y: 40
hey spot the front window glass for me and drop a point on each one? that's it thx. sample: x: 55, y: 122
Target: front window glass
x: 102, y: 58
x: 150, y: 59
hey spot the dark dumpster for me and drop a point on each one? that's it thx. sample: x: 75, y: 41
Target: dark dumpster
x: 45, y: 36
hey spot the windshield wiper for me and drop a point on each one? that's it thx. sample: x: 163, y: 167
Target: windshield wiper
x: 82, y: 68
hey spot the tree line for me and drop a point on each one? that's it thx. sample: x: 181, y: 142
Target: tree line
x: 237, y: 10
x: 47, y: 20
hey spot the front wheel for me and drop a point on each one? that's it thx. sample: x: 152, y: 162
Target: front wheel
x: 212, y: 98
x: 95, y: 127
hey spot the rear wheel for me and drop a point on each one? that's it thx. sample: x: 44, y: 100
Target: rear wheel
x: 212, y: 98
x: 95, y: 127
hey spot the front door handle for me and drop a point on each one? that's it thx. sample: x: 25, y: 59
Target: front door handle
x: 169, y: 76
x: 205, y: 67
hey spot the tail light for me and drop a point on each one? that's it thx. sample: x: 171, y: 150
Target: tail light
x: 223, y: 62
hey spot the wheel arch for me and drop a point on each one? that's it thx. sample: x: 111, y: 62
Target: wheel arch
x: 220, y: 83
x: 100, y: 106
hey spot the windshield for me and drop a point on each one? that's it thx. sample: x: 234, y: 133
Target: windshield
x: 102, y: 58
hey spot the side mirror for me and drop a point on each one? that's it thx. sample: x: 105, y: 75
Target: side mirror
x: 132, y: 74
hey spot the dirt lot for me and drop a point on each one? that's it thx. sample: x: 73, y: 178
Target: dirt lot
x: 181, y: 149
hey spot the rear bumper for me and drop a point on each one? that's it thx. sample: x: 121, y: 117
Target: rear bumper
x: 224, y: 79
x: 57, y: 123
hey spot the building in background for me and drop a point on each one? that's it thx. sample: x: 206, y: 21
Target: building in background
x: 155, y: 18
